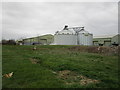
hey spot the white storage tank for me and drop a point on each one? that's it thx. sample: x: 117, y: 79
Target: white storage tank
x: 65, y: 37
x: 85, y: 38
x: 73, y: 36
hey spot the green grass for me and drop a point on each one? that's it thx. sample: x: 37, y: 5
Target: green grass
x: 56, y: 58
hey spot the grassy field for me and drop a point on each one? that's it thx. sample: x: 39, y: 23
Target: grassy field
x: 57, y: 67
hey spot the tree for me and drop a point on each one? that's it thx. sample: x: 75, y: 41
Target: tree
x: 4, y: 42
x: 11, y: 42
x: 8, y: 42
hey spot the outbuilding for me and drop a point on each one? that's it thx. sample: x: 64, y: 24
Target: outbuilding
x: 113, y: 40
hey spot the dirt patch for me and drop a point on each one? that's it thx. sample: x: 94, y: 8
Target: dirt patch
x: 84, y: 80
x: 70, y: 77
x: 66, y: 74
x: 35, y: 61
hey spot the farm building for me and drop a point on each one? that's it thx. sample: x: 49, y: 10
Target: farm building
x: 107, y: 40
x: 73, y: 36
x: 41, y: 40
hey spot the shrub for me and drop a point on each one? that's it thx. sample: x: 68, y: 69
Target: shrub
x: 114, y: 50
x: 8, y: 42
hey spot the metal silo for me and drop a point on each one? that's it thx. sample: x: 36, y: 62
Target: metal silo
x: 65, y: 37
x: 85, y: 38
x: 73, y: 36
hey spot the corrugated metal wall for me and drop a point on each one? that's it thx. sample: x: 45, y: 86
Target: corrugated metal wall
x: 116, y: 39
x: 81, y: 39
x: 85, y: 39
x: 61, y: 39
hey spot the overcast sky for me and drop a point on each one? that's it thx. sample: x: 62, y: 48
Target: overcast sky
x: 28, y: 19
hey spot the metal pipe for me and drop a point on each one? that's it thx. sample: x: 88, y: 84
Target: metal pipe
x: 75, y: 27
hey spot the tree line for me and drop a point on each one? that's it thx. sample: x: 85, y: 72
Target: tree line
x: 8, y: 42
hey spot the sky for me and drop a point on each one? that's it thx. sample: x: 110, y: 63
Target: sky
x: 29, y: 19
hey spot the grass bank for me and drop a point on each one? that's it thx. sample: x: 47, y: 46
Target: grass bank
x: 58, y: 66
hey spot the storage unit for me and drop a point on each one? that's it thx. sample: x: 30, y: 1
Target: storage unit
x: 65, y: 37
x: 116, y: 39
x: 73, y: 36
x: 107, y: 40
x: 85, y: 38
x: 102, y: 41
x: 42, y: 40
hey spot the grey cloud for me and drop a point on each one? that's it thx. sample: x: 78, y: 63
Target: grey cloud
x: 26, y: 19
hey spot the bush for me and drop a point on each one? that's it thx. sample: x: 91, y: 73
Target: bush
x: 114, y: 50
x: 8, y: 42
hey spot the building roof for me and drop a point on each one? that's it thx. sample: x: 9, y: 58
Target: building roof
x: 84, y: 31
x: 42, y: 36
x: 66, y: 32
x: 104, y: 36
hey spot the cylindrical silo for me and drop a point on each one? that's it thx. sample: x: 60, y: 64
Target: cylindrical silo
x: 85, y: 38
x: 65, y: 37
